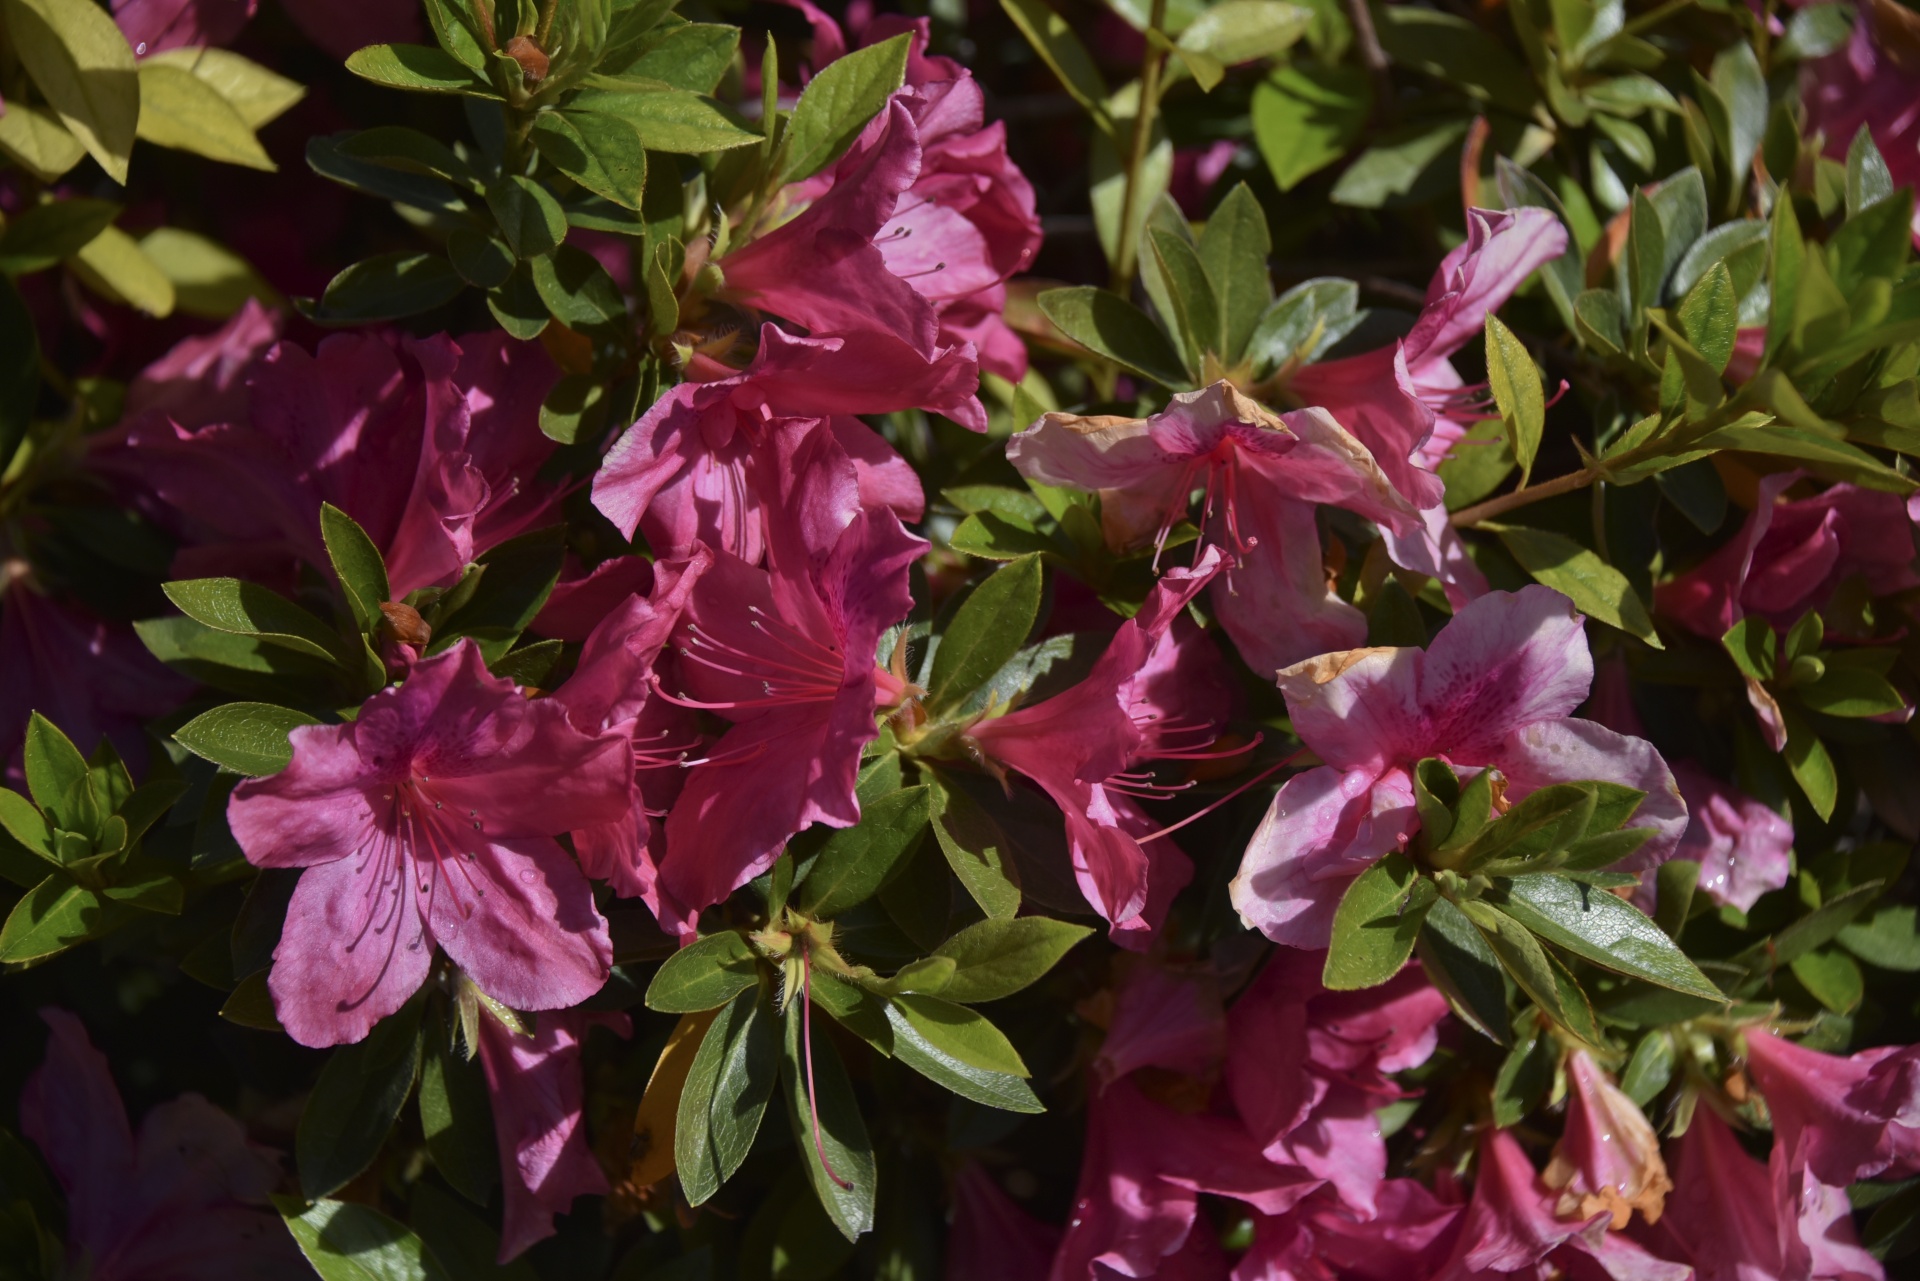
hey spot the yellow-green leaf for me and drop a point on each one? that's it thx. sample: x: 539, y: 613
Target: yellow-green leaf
x: 182, y: 111
x: 208, y: 278
x: 114, y: 266
x: 258, y: 95
x: 38, y: 142
x: 1594, y: 586
x: 85, y: 68
x: 1516, y: 390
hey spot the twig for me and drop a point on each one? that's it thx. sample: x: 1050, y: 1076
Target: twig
x: 1468, y: 516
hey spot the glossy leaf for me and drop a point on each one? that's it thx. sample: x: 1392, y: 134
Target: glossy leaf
x: 1517, y: 391
x: 353, y: 1105
x: 1603, y: 929
x: 848, y: 1193
x: 913, y: 1047
x: 837, y: 104
x: 704, y: 975
x: 1595, y: 587
x: 855, y: 861
x: 960, y: 1033
x: 996, y: 958
x: 247, y: 738
x: 245, y: 609
x: 1110, y: 326
x: 986, y: 631
x: 1376, y: 924
x: 726, y: 1095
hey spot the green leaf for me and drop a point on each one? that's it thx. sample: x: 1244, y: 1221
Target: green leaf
x: 1236, y: 31
x: 1458, y: 52
x: 704, y: 975
x: 855, y: 861
x: 1478, y: 464
x: 1595, y: 587
x: 1521, y: 956
x: 35, y: 139
x: 358, y: 565
x: 1195, y: 310
x: 55, y: 915
x: 180, y: 110
x: 387, y: 287
x: 531, y: 221
x: 1710, y: 316
x: 578, y: 290
x: 1650, y: 1069
x: 1752, y: 645
x: 346, y: 1241
x: 1525, y: 1077
x: 57, y: 777
x: 842, y: 1134
x: 977, y: 851
x: 20, y: 820
x: 456, y: 1117
x: 86, y: 71
x: 601, y: 153
x: 1546, y: 820
x: 996, y: 958
x: 1868, y: 180
x: 914, y: 1048
x: 960, y: 1033
x: 482, y: 260
x: 1053, y: 38
x: 574, y: 409
x: 1458, y: 961
x: 1674, y: 885
x: 404, y: 180
x: 245, y: 609
x: 986, y: 631
x: 1742, y: 86
x: 837, y: 104
x: 693, y: 56
x: 1833, y: 979
x: 418, y: 69
x: 1401, y: 166
x: 1888, y: 940
x: 669, y: 120
x: 1375, y: 926
x: 1234, y: 246
x: 1603, y: 929
x: 726, y: 1095
x: 41, y: 235
x: 517, y: 306
x: 464, y: 1243
x: 1515, y: 380
x: 1851, y: 692
x: 259, y: 96
x: 114, y: 266
x: 1811, y: 765
x: 247, y: 738
x: 208, y: 279
x: 517, y: 578
x: 1110, y: 326
x: 355, y: 1101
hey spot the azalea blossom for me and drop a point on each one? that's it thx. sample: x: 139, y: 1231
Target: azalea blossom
x: 429, y: 822
x: 1609, y: 1157
x: 153, y: 26
x: 1410, y: 1233
x: 1262, y: 473
x: 787, y: 653
x: 431, y: 445
x: 1085, y: 748
x: 1744, y: 848
x: 1843, y: 1119
x: 182, y: 1199
x: 698, y: 466
x: 1792, y: 556
x: 538, y: 1094
x: 1871, y: 82
x: 992, y: 1238
x: 1308, y: 1069
x: 1494, y: 690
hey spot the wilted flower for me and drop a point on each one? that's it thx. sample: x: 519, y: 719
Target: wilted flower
x: 1493, y: 690
x: 429, y: 821
x: 1609, y: 1157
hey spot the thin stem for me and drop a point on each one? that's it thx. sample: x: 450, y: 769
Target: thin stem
x: 483, y: 18
x: 1654, y: 17
x: 545, y: 32
x: 1469, y: 516
x: 1372, y: 56
x: 1127, y: 248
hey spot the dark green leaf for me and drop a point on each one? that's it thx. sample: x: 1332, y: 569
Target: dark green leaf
x: 355, y: 1101
x: 247, y: 738
x: 847, y: 1194
x: 574, y: 409
x: 41, y: 235
x: 1548, y: 819
x: 531, y: 221
x: 24, y: 823
x: 1525, y: 1077
x: 1053, y: 38
x: 1401, y: 166
x: 733, y: 1074
x: 667, y: 119
x: 914, y: 1048
x: 1650, y: 1068
x: 1110, y: 326
x: 986, y: 631
x: 1458, y: 961
x: 413, y: 184
x: 1850, y: 692
x: 387, y: 287
x: 1811, y: 765
x: 1520, y: 955
x: 245, y: 609
x: 1196, y: 311
x: 482, y: 260
x: 358, y: 565
x: 1832, y: 977
x: 1815, y: 929
x: 704, y: 975
x: 465, y: 1244
x: 57, y: 777
x: 519, y: 575
x: 1234, y: 246
x: 854, y: 862
x: 1457, y: 52
x: 517, y: 305
x: 54, y: 916
x: 977, y: 851
x: 457, y: 1119
x: 601, y: 153
x: 837, y: 104
x: 1375, y: 926
x: 1307, y: 115
x: 577, y: 289
x: 346, y: 1241
x: 1603, y: 929
x: 1710, y: 316
x: 1595, y: 587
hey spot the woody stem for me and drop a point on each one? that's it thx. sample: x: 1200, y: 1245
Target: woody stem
x: 1467, y: 517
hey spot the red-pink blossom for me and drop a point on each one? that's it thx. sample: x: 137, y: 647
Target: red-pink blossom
x: 153, y: 26
x: 1263, y: 474
x: 429, y: 821
x: 184, y: 1199
x: 1743, y: 847
x: 1494, y: 689
x: 431, y: 445
x: 1150, y: 696
x: 538, y: 1093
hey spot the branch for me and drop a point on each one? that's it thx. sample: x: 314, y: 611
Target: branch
x: 1470, y: 516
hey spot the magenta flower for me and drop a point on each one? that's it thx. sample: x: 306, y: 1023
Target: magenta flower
x: 992, y: 1238
x: 612, y: 688
x: 703, y: 465
x: 1495, y: 689
x: 1153, y: 695
x: 1308, y: 1069
x: 1734, y: 1222
x: 431, y: 445
x: 1166, y: 1019
x: 787, y: 653
x: 538, y: 1094
x: 1608, y: 1158
x: 92, y: 678
x: 152, y: 26
x: 1510, y: 1227
x: 429, y: 821
x: 583, y: 598
x: 1262, y: 473
x: 342, y: 26
x: 204, y: 380
x: 1791, y: 556
x: 1867, y: 84
x: 1410, y: 1233
x: 185, y: 1199
x: 1744, y: 848
x: 1842, y: 1119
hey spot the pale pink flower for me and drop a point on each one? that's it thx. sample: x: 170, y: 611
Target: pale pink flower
x: 1844, y: 1119
x: 1743, y: 847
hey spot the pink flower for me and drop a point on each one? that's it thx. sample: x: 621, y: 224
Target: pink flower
x: 430, y: 821
x: 1791, y: 556
x: 431, y: 445
x: 342, y: 26
x: 538, y: 1093
x: 1744, y: 848
x: 992, y: 1238
x: 152, y: 26
x: 1609, y: 1157
x: 204, y: 380
x: 1510, y: 1227
x: 183, y: 1200
x: 1844, y: 1119
x: 1493, y: 690
x: 1726, y: 1217
x: 1166, y: 1019
x: 1308, y: 1069
x: 1262, y: 472
x: 583, y: 598
x: 701, y: 465
x: 1149, y: 697
x: 787, y: 654
x: 92, y: 678
x: 612, y: 689
x: 1410, y: 1234
x: 1869, y: 84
